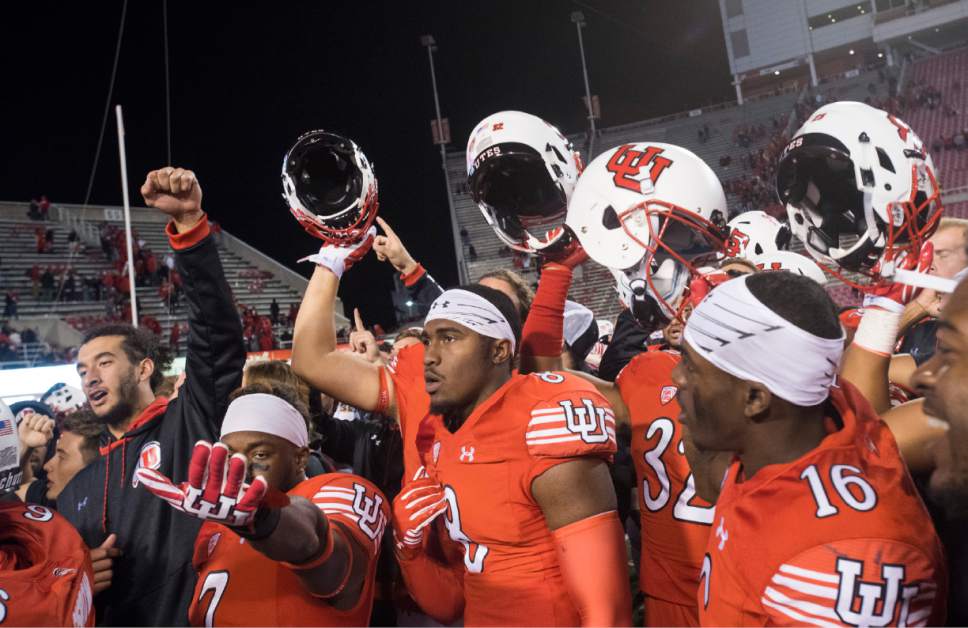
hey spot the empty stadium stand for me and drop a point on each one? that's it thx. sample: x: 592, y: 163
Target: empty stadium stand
x: 244, y: 266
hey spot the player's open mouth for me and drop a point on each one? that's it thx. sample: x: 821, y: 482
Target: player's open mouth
x: 97, y: 396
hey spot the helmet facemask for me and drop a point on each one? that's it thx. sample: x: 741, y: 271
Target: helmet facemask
x: 679, y: 242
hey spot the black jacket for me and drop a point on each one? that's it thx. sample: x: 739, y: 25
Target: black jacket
x: 154, y: 580
x: 628, y: 340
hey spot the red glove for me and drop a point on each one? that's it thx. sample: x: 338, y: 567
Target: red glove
x: 214, y: 491
x: 414, y: 509
x: 701, y: 285
x: 568, y: 252
x: 339, y: 259
x: 893, y: 296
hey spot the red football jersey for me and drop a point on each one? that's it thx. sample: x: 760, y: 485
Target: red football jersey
x: 836, y: 537
x: 45, y: 569
x: 532, y: 423
x: 675, y: 521
x: 238, y: 586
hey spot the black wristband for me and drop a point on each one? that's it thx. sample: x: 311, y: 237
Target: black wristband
x: 264, y: 523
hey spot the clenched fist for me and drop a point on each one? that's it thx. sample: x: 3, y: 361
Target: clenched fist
x: 176, y: 192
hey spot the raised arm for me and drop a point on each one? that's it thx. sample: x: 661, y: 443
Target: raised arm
x: 341, y: 375
x: 421, y: 287
x: 215, y: 357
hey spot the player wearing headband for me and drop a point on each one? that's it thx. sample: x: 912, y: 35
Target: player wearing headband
x: 517, y: 467
x: 818, y: 521
x: 276, y: 549
x: 45, y: 569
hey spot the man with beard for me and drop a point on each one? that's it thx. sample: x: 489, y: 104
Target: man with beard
x: 942, y: 382
x: 119, y: 366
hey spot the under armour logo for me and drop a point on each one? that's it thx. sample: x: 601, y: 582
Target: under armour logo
x: 587, y: 420
x: 372, y: 521
x: 466, y: 454
x: 721, y: 533
x: 872, y: 593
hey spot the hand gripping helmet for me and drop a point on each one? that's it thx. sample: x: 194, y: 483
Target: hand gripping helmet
x: 858, y: 184
x: 755, y: 233
x: 521, y: 172
x: 790, y: 261
x: 10, y: 471
x: 651, y: 210
x: 330, y: 187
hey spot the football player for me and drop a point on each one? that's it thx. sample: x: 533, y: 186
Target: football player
x: 675, y: 522
x: 305, y: 558
x: 817, y: 520
x: 45, y: 568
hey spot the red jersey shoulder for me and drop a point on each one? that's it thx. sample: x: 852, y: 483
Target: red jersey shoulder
x: 567, y: 417
x: 351, y: 500
x: 651, y: 367
x: 51, y: 581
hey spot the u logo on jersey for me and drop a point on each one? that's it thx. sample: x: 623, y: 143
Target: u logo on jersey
x: 872, y: 595
x: 372, y: 520
x: 587, y: 420
x: 148, y: 458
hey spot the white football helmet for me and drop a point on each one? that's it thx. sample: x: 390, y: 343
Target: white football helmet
x: 756, y: 233
x: 790, y: 261
x: 330, y: 187
x: 858, y: 183
x: 521, y: 172
x: 649, y: 209
x: 64, y: 399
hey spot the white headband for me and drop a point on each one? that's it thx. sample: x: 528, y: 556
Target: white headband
x: 738, y: 334
x: 269, y: 414
x: 472, y: 311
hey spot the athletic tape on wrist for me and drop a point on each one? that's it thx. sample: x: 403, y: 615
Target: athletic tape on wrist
x: 877, y: 331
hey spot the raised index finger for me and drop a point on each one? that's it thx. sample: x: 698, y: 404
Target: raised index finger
x: 358, y: 319
x: 387, y: 228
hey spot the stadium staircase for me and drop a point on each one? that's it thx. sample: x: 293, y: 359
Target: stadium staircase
x: 240, y: 261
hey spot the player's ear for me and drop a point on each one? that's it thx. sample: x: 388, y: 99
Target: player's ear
x: 758, y: 400
x: 501, y: 351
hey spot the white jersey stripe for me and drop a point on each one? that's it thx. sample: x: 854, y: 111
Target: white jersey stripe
x: 919, y: 615
x: 549, y: 441
x: 330, y: 506
x: 541, y: 420
x: 336, y: 495
x: 805, y: 587
x: 789, y: 612
x: 809, y: 573
x: 555, y: 431
x: 806, y: 607
x: 547, y: 411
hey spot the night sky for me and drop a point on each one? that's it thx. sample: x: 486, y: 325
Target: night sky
x: 247, y: 78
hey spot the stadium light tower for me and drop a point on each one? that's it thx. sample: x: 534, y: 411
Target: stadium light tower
x: 431, y: 45
x: 579, y: 19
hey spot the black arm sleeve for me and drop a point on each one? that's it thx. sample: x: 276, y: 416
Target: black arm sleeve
x: 628, y: 340
x: 213, y: 365
x: 424, y: 291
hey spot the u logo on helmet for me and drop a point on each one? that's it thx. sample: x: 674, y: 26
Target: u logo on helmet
x: 626, y: 165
